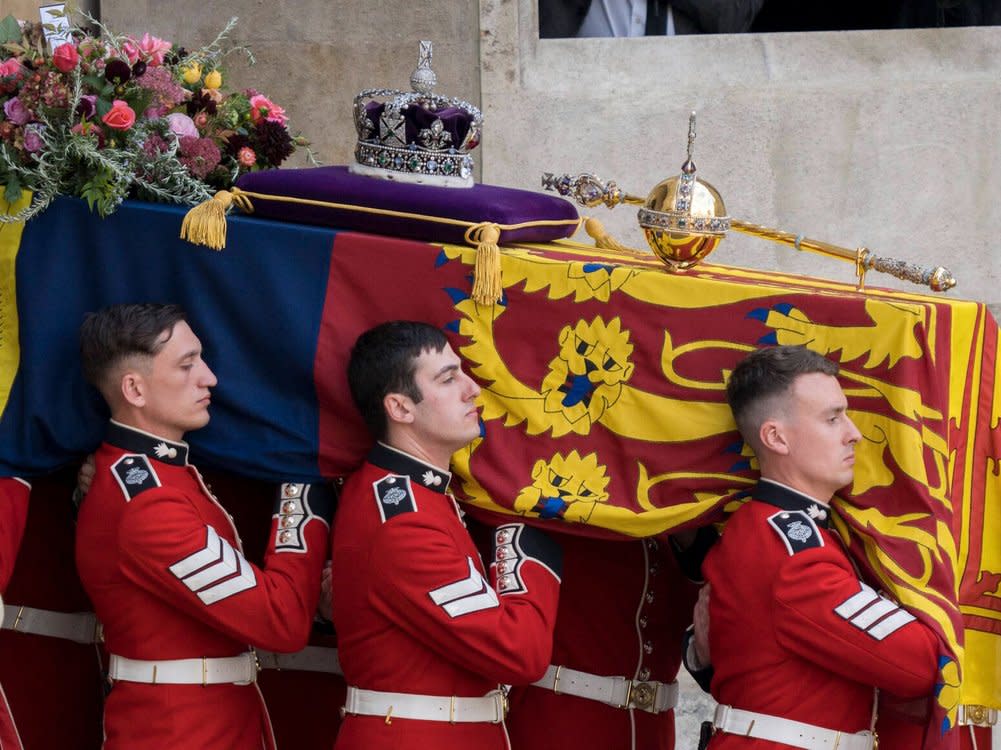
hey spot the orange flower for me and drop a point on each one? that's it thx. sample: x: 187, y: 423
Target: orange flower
x: 120, y: 117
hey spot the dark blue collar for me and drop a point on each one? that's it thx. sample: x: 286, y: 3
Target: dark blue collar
x: 788, y: 499
x: 398, y: 462
x: 136, y: 441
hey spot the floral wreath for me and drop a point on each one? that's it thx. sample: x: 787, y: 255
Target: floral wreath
x: 105, y: 117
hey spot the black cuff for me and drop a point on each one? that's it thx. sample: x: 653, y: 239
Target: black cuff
x: 318, y: 499
x: 515, y: 542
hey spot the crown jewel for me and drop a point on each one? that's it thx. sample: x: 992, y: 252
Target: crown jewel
x: 416, y: 136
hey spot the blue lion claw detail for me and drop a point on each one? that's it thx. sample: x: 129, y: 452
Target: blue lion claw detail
x: 456, y: 295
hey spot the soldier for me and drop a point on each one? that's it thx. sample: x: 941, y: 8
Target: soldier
x: 161, y: 559
x: 798, y: 643
x: 425, y: 641
x: 13, y: 515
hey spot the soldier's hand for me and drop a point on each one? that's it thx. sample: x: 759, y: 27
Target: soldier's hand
x: 700, y: 618
x: 85, y: 476
x: 325, y: 607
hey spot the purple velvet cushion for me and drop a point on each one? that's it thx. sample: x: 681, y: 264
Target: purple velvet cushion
x: 476, y: 204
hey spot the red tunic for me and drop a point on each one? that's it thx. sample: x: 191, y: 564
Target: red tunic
x: 793, y: 631
x: 624, y: 607
x: 13, y: 515
x: 399, y: 545
x: 164, y: 567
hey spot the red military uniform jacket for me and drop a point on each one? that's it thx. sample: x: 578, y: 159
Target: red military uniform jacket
x: 414, y: 613
x: 13, y: 515
x: 164, y: 567
x: 793, y: 631
x: 624, y: 607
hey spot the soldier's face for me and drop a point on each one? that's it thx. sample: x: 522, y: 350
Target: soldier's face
x: 176, y: 389
x: 447, y: 417
x: 820, y: 436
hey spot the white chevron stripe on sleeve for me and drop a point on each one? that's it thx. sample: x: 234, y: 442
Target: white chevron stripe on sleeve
x: 246, y: 580
x: 872, y: 613
x: 216, y: 571
x: 869, y: 615
x: 891, y: 624
x: 198, y: 560
x: 471, y: 594
x: 855, y: 603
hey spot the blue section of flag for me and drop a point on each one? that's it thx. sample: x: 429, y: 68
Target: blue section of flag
x: 256, y: 306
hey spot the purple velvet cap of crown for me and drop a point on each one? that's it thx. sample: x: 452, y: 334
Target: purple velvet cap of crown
x: 455, y: 121
x: 476, y: 204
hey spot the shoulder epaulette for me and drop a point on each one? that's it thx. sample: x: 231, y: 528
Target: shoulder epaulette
x: 134, y: 474
x: 394, y: 496
x: 796, y: 529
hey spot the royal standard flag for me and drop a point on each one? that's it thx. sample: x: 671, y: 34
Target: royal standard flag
x: 603, y: 386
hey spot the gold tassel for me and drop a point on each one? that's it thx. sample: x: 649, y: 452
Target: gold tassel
x: 205, y: 224
x: 487, y: 288
x: 603, y: 239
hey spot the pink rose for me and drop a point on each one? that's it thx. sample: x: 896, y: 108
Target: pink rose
x: 33, y: 138
x: 120, y: 116
x: 10, y: 69
x: 246, y: 157
x: 201, y: 120
x: 131, y: 50
x: 65, y: 57
x: 154, y: 49
x: 181, y: 125
x: 16, y: 112
x: 262, y: 108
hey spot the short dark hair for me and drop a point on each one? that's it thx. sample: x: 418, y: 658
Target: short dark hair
x: 110, y: 336
x: 765, y: 374
x: 383, y: 361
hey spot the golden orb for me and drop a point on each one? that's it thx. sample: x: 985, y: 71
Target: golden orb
x: 684, y: 219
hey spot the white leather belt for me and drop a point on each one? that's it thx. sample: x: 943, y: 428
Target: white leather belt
x: 81, y: 627
x: 652, y: 696
x: 238, y: 670
x: 491, y: 708
x: 310, y: 659
x: 788, y: 732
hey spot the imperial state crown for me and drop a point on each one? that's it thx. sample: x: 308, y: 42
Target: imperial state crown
x: 416, y: 136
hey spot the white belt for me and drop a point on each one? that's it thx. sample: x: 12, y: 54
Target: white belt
x: 81, y: 627
x: 310, y: 659
x: 491, y: 708
x: 652, y: 696
x: 788, y: 732
x: 238, y: 670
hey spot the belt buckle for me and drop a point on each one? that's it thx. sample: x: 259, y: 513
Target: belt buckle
x: 501, y: 706
x: 642, y: 695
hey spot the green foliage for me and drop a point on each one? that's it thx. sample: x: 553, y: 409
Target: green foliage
x: 10, y: 30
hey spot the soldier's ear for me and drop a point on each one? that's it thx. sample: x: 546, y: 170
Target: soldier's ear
x: 133, y: 388
x: 772, y: 435
x: 399, y: 408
